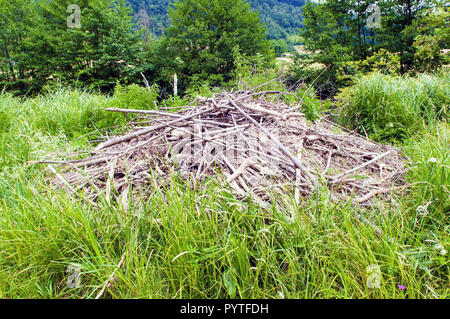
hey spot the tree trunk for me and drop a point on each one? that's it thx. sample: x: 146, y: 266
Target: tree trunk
x: 8, y: 58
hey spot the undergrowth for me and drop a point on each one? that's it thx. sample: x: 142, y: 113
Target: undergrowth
x: 198, y: 241
x: 394, y: 108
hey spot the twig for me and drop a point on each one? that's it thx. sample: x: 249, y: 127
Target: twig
x: 240, y: 170
x: 374, y: 192
x: 62, y: 179
x: 335, y: 179
x: 145, y: 81
x: 117, y: 110
x: 281, y: 146
x: 130, y: 136
x: 110, y: 278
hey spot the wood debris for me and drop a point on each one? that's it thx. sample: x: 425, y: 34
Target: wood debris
x: 258, y: 143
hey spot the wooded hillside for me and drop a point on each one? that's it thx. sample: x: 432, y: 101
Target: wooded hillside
x: 283, y: 17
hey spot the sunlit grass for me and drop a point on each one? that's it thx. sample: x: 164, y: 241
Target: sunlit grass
x: 183, y: 242
x: 395, y: 108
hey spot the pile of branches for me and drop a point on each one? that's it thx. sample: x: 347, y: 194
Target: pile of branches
x: 254, y: 143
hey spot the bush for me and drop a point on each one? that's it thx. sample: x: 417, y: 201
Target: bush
x: 382, y: 61
x: 135, y: 97
x: 393, y: 108
x: 303, y: 71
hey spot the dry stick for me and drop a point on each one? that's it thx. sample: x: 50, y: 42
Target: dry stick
x: 380, y: 191
x: 117, y: 110
x: 283, y: 149
x: 54, y: 162
x: 110, y: 278
x: 274, y: 113
x: 240, y: 170
x: 297, y: 182
x: 110, y: 182
x: 145, y: 81
x: 338, y: 177
x: 82, y: 162
x: 356, y: 134
x: 62, y: 179
x: 328, y: 162
x: 213, y: 122
x: 233, y: 183
x: 86, y: 177
x: 264, y: 93
x: 130, y: 136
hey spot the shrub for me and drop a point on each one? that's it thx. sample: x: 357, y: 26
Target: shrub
x: 382, y: 61
x: 393, y: 108
x: 135, y: 97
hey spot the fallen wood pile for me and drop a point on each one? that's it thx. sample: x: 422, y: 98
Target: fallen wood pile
x: 253, y: 141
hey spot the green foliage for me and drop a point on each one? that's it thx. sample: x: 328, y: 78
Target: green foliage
x: 202, y: 243
x: 135, y: 97
x: 336, y: 34
x: 382, y: 61
x: 311, y: 105
x: 433, y: 35
x: 15, y: 18
x: 430, y: 175
x: 31, y: 127
x: 325, y: 34
x: 394, y: 108
x: 101, y: 52
x: 253, y: 71
x: 281, y: 17
x: 204, y: 33
x: 151, y: 14
x: 323, y: 79
x: 280, y: 47
x: 198, y: 87
x: 180, y: 241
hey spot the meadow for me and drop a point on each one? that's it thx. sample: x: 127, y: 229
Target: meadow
x: 201, y: 242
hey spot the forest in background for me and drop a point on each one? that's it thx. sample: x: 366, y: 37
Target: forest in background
x: 282, y: 17
x: 389, y: 84
x: 203, y: 44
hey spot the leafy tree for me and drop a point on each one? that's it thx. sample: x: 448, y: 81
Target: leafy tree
x: 325, y: 33
x: 337, y: 32
x: 16, y: 19
x: 431, y: 32
x: 280, y: 46
x: 330, y: 43
x: 396, y: 17
x: 205, y: 32
x: 103, y: 50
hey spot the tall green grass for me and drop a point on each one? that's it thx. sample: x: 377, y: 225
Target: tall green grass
x: 181, y: 241
x: 430, y: 174
x: 39, y: 127
x: 394, y: 108
x: 202, y: 243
